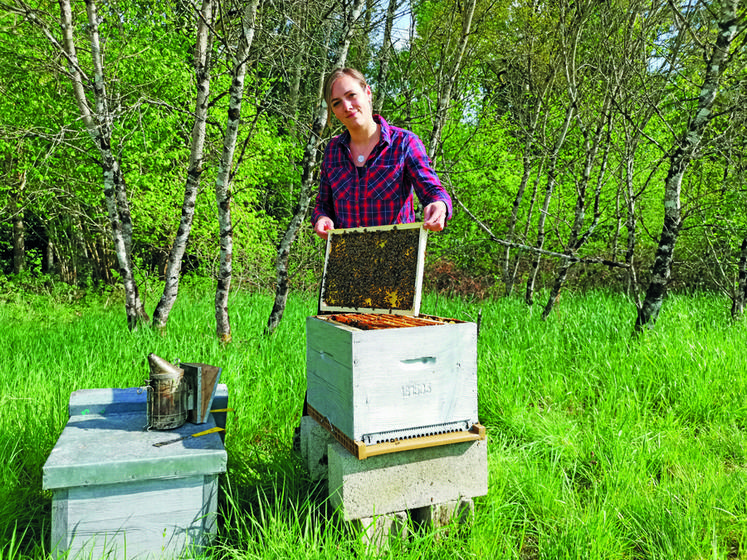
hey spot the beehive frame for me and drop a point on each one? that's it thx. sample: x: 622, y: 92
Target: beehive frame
x: 374, y: 270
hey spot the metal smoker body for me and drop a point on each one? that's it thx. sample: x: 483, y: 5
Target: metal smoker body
x: 179, y: 394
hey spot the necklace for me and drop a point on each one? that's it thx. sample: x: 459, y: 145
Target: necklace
x: 370, y: 144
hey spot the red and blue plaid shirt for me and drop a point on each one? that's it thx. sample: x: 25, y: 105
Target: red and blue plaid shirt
x: 382, y: 194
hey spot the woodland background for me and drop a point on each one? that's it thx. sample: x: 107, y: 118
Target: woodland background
x: 586, y: 144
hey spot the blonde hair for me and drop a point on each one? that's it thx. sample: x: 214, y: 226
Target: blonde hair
x: 335, y: 75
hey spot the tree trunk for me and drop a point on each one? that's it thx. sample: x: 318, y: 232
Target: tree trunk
x: 445, y: 92
x: 737, y: 305
x: 49, y: 249
x: 514, y: 267
x: 681, y: 157
x: 309, y: 164
x: 98, y: 124
x: 202, y: 65
x: 527, y: 162
x: 385, y: 56
x: 549, y: 189
x: 631, y: 225
x: 576, y: 238
x: 223, y: 194
x: 297, y: 34
x: 19, y: 226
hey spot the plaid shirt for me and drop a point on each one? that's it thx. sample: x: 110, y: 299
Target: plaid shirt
x: 382, y: 195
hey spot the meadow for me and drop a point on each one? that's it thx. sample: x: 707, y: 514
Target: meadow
x: 601, y: 444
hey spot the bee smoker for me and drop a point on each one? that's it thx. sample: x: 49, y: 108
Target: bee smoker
x: 179, y: 394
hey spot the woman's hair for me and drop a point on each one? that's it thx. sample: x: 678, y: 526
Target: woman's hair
x: 335, y: 75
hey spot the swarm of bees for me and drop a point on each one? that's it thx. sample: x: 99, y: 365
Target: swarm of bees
x: 372, y: 269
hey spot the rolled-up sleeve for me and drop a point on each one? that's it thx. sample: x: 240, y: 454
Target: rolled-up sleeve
x: 422, y: 176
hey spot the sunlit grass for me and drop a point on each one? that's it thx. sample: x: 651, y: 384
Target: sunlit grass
x: 601, y: 444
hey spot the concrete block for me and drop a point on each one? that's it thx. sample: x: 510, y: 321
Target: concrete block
x: 456, y: 512
x: 406, y: 480
x: 314, y: 442
x: 377, y: 532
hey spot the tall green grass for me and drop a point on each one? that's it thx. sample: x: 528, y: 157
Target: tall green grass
x: 601, y: 444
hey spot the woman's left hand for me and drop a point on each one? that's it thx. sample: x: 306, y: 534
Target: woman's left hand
x: 434, y: 216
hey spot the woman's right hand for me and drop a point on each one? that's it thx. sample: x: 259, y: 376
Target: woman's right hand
x: 322, y: 226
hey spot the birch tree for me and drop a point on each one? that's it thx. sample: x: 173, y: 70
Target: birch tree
x: 530, y: 132
x: 98, y: 122
x: 19, y: 225
x: 309, y: 164
x: 223, y: 194
x: 730, y: 23
x: 93, y: 101
x: 740, y: 295
x: 202, y: 67
x: 550, y: 184
x: 448, y: 73
x: 592, y: 92
x: 385, y: 55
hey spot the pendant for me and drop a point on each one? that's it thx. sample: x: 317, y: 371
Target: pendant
x: 361, y: 159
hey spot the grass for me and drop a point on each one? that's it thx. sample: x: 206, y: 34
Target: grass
x: 601, y: 444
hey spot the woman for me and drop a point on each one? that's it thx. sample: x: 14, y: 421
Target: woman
x: 369, y: 172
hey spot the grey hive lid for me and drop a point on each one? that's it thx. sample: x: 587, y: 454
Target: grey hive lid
x: 374, y: 270
x: 105, y: 442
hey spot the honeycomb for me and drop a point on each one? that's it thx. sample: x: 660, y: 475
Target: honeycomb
x: 373, y: 321
x: 372, y: 269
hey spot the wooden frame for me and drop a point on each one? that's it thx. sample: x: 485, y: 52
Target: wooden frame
x: 369, y: 273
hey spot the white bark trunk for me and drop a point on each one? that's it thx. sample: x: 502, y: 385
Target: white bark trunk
x: 98, y: 124
x: 386, y: 53
x: 309, y: 164
x: 682, y: 155
x: 223, y: 194
x: 202, y: 64
x: 549, y: 190
x: 444, y: 97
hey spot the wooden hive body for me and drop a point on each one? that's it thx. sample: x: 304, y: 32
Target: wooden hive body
x: 377, y: 385
x: 115, y: 495
x: 390, y: 382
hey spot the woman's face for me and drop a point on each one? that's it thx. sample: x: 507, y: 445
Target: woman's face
x: 351, y: 103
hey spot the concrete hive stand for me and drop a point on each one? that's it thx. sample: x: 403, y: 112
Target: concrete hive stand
x: 115, y: 495
x: 433, y: 486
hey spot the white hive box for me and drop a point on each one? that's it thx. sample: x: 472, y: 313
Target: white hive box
x: 115, y: 495
x: 390, y: 375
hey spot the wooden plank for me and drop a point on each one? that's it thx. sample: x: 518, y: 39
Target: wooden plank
x: 96, y: 449
x: 329, y: 376
x: 420, y: 269
x: 477, y: 432
x: 163, y: 517
x: 362, y: 451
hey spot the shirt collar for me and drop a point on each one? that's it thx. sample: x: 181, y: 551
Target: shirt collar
x: 386, y: 131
